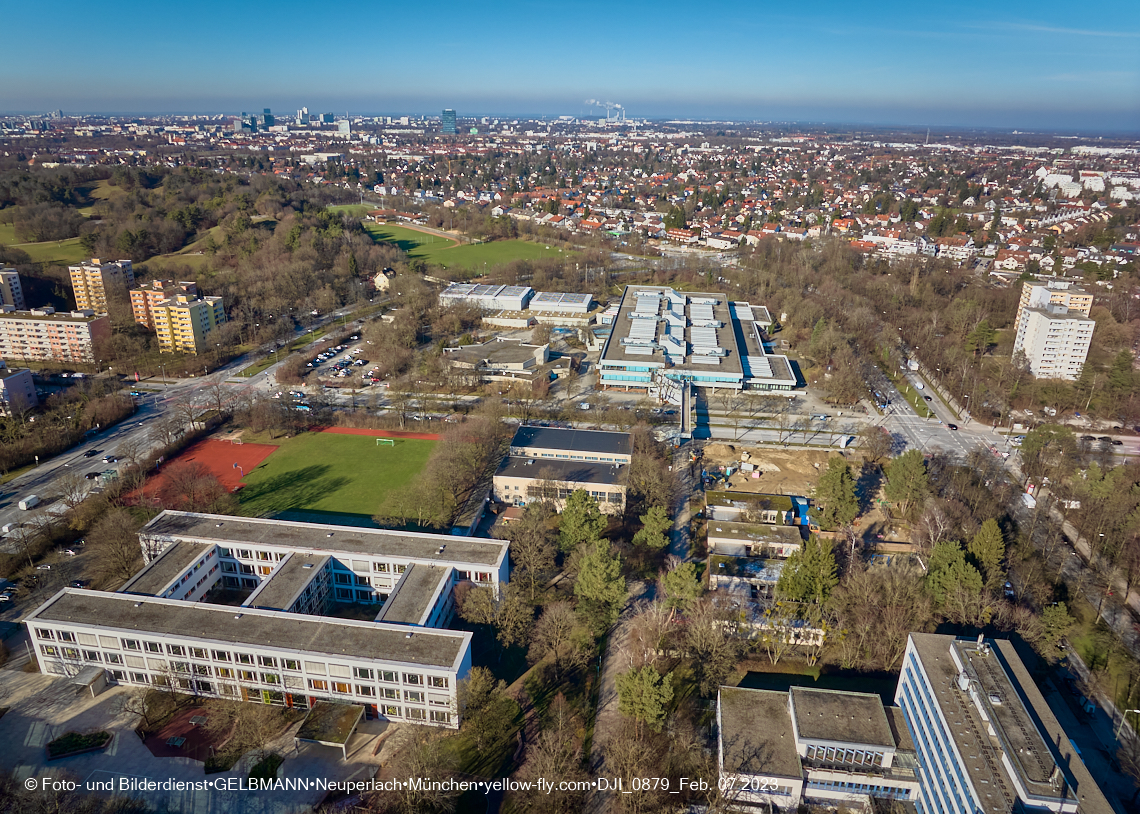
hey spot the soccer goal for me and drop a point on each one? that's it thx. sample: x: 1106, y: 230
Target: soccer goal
x: 385, y: 442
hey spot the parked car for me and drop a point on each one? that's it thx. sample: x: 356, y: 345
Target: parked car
x: 91, y: 475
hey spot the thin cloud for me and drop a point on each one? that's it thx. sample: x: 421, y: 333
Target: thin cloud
x: 1075, y: 32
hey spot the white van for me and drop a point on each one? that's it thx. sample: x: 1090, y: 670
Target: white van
x: 29, y: 502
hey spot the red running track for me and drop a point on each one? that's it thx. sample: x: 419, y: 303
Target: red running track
x: 217, y: 457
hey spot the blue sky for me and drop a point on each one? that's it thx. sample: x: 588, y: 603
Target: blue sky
x: 1042, y: 64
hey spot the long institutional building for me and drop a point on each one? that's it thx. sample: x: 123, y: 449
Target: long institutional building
x: 660, y: 336
x: 969, y: 733
x: 279, y: 646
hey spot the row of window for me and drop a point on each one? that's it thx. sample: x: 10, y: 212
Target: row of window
x: 225, y: 657
x: 858, y: 757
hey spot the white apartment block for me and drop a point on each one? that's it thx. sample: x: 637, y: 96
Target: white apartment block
x: 43, y: 335
x: 17, y: 391
x: 280, y: 646
x: 1055, y: 341
x: 1053, y: 292
x: 11, y: 293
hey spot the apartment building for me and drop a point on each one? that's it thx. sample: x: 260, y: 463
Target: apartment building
x: 279, y: 647
x: 43, y: 335
x: 184, y: 322
x: 17, y: 391
x: 986, y: 739
x: 1055, y: 341
x: 147, y: 296
x: 1037, y: 295
x: 550, y: 464
x: 11, y: 293
x: 92, y: 280
x: 969, y: 733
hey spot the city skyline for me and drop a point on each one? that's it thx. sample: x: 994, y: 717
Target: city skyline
x: 1022, y: 66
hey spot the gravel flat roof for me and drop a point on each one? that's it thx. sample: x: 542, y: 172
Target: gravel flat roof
x: 158, y: 573
x: 228, y: 531
x: 290, y: 632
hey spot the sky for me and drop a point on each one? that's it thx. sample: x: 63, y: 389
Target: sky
x: 1045, y: 64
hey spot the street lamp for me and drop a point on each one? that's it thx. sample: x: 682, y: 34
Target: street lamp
x: 163, y: 367
x: 1123, y: 715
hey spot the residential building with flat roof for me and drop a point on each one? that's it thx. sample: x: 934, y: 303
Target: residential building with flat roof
x: 148, y: 296
x: 184, y: 322
x: 1054, y: 340
x: 280, y: 646
x: 44, y: 335
x: 11, y: 292
x: 699, y: 338
x: 1038, y: 294
x: 17, y: 391
x: 91, y: 282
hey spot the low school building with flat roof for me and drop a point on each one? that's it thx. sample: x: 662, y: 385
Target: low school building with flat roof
x: 280, y: 646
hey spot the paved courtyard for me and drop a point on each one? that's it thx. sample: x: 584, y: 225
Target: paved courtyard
x: 43, y: 707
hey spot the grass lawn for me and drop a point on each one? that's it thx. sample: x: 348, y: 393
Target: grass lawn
x: 443, y: 252
x: 7, y: 234
x: 257, y: 367
x: 329, y: 473
x: 356, y: 210
x: 50, y: 251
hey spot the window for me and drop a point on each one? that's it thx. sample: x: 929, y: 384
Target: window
x: 229, y: 567
x: 265, y: 570
x: 70, y: 653
x: 245, y: 569
x: 153, y: 647
x: 416, y: 697
x: 64, y: 636
x: 244, y: 658
x: 267, y: 661
x: 139, y: 678
x: 362, y: 672
x: 201, y: 670
x: 49, y: 650
x: 247, y: 675
x: 364, y: 689
x: 380, y: 567
x: 224, y: 552
x: 205, y: 686
x: 343, y: 579
x: 44, y: 633
x: 263, y: 556
x: 388, y: 692
x: 198, y: 652
x: 415, y: 714
x: 389, y: 676
x: 244, y: 554
x: 92, y: 655
x: 292, y: 664
x: 340, y: 686
x: 180, y: 666
x: 225, y: 672
x: 317, y: 684
x: 114, y: 658
x: 412, y: 678
x: 130, y: 644
x: 221, y: 655
x: 437, y: 681
x: 176, y: 650
x: 440, y: 717
x: 271, y: 678
x: 391, y: 710
x: 401, y: 569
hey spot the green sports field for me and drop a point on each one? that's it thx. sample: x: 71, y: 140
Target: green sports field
x: 315, y: 476
x: 444, y: 252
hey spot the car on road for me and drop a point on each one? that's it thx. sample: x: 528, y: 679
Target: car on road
x: 110, y: 459
x: 1116, y: 442
x: 71, y: 552
x: 1088, y: 437
x: 7, y: 597
x: 91, y: 453
x: 91, y: 475
x: 44, y: 567
x: 951, y: 426
x: 1105, y: 438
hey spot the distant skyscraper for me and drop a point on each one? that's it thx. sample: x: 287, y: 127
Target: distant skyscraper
x: 326, y: 118
x: 449, y: 122
x: 267, y: 118
x: 303, y: 116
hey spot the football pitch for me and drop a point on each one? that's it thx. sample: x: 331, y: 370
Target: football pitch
x: 326, y: 477
x: 444, y: 252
